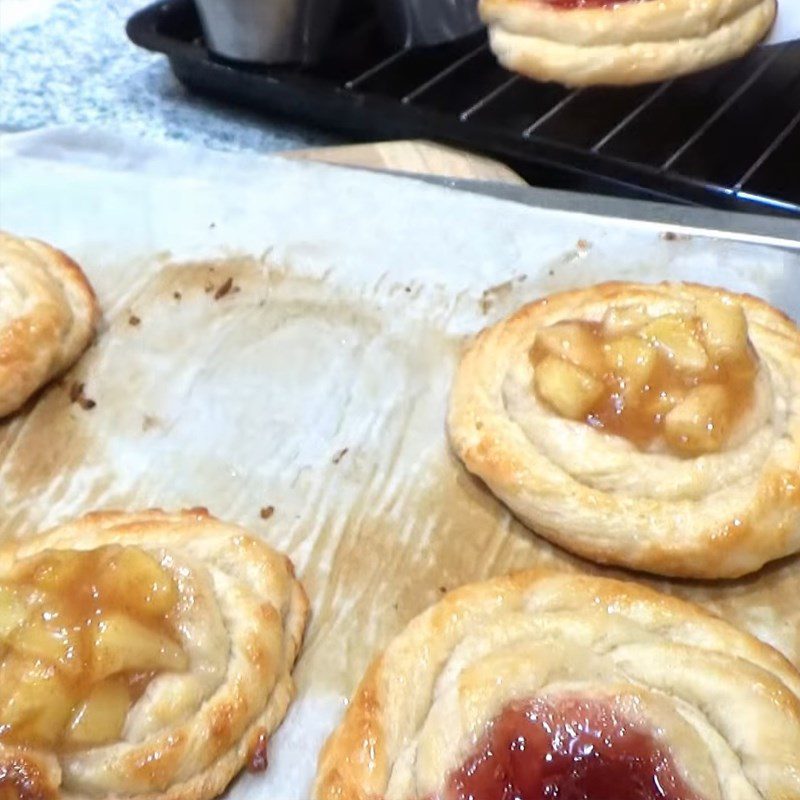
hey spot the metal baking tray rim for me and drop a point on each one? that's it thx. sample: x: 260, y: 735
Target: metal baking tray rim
x: 682, y: 220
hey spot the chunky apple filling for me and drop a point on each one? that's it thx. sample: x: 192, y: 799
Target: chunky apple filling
x: 678, y: 379
x: 82, y: 634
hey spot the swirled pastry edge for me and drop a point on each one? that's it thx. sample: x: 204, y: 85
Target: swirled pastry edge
x: 21, y: 376
x: 599, y: 525
x: 42, y: 771
x: 356, y: 762
x: 631, y: 43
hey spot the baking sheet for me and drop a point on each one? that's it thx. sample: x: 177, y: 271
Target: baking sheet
x: 317, y: 383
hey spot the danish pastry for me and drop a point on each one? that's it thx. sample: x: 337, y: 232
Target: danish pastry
x: 48, y: 315
x: 586, y: 42
x: 544, y: 685
x: 144, y: 655
x: 651, y: 427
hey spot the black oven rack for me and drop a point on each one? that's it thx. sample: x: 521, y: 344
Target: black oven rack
x: 727, y: 138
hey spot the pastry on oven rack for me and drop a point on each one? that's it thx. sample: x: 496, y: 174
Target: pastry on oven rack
x: 655, y: 427
x: 544, y: 685
x: 587, y: 42
x: 48, y: 316
x: 141, y: 656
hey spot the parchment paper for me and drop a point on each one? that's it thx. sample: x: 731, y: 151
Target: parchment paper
x: 317, y: 383
x: 787, y: 24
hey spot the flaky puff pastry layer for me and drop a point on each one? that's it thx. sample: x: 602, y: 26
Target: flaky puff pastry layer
x: 240, y: 619
x: 48, y: 316
x: 720, y: 515
x: 623, y: 43
x: 726, y: 705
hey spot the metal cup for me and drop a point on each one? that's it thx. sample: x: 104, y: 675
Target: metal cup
x: 268, y: 31
x: 423, y: 22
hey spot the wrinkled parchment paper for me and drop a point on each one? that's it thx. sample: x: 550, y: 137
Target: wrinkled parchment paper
x: 316, y: 382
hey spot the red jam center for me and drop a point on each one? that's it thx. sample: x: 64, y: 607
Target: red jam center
x: 576, y: 750
x: 590, y: 3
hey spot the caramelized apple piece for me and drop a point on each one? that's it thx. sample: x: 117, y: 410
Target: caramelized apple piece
x: 76, y: 628
x: 57, y: 569
x: 12, y: 611
x: 35, y: 701
x: 650, y: 384
x: 137, y: 583
x: 99, y: 719
x: 633, y: 361
x: 659, y: 404
x: 121, y: 644
x: 50, y: 642
x: 700, y: 423
x: 619, y: 320
x: 574, y: 343
x: 570, y: 390
x: 741, y: 370
x: 724, y: 330
x: 676, y: 337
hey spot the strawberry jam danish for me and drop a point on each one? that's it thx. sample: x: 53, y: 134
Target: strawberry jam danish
x: 586, y: 42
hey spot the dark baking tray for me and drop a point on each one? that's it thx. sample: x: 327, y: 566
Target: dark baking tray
x: 727, y: 138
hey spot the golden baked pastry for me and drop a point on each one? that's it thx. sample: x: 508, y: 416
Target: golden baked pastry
x: 586, y: 42
x: 142, y: 655
x: 544, y: 685
x: 651, y: 427
x: 48, y: 316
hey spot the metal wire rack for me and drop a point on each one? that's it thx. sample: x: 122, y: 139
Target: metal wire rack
x: 728, y: 137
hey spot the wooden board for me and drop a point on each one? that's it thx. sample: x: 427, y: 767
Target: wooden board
x: 417, y: 157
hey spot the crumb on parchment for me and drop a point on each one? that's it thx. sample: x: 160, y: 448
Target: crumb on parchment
x: 224, y: 289
x: 77, y: 395
x: 340, y: 455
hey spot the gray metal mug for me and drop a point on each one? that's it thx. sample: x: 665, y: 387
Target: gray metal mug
x: 424, y: 22
x: 268, y: 31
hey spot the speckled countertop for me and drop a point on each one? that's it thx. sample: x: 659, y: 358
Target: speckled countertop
x: 69, y: 62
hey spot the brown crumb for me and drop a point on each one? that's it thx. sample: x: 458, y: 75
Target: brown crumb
x: 267, y: 512
x: 494, y: 293
x: 674, y: 236
x: 257, y: 761
x: 149, y: 422
x: 224, y: 289
x: 76, y: 395
x: 443, y: 589
x: 340, y: 455
x: 134, y: 320
x: 177, y: 295
x: 199, y: 512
